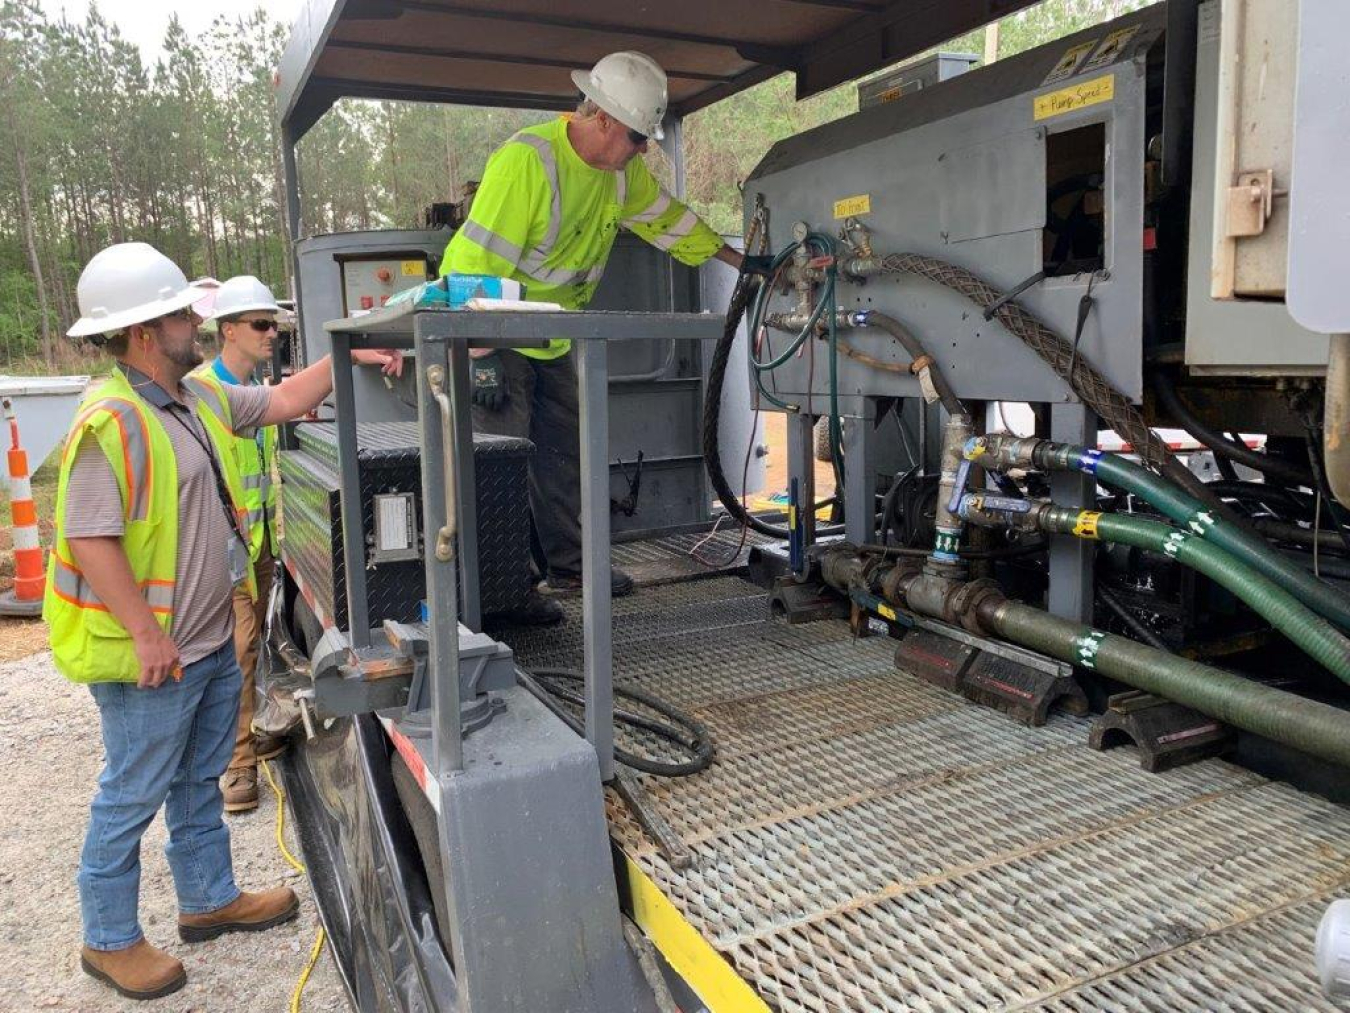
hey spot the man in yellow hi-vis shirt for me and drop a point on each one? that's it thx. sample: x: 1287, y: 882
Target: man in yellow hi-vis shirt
x: 551, y: 201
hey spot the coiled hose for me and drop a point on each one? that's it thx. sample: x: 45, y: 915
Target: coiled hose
x: 1314, y: 635
x: 684, y: 733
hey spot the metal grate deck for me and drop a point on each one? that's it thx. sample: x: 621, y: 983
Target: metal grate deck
x: 865, y: 842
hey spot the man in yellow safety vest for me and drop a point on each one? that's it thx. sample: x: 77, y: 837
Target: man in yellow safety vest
x: 150, y: 539
x: 551, y: 201
x: 246, y: 320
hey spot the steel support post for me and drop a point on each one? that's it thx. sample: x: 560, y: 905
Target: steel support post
x: 593, y: 393
x: 1070, y: 593
x: 438, y: 461
x: 465, y: 485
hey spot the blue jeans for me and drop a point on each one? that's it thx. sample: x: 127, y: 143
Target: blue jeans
x: 167, y: 746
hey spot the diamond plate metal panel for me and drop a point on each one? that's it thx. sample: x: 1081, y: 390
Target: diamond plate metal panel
x: 389, y: 461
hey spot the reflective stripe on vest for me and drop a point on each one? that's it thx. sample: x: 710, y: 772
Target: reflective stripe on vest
x: 682, y: 229
x: 68, y: 582
x: 89, y: 643
x: 131, y: 426
x: 533, y: 262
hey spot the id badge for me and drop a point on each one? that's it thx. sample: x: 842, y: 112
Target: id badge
x: 237, y: 553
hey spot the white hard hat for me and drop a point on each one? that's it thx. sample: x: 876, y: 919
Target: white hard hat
x: 126, y: 284
x: 242, y: 294
x: 629, y: 86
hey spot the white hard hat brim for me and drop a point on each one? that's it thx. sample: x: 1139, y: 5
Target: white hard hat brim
x: 582, y: 79
x: 234, y: 311
x: 113, y: 322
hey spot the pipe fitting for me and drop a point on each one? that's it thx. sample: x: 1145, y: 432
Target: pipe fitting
x: 1000, y: 452
x: 966, y: 601
x: 843, y: 568
x: 989, y: 511
x: 896, y: 581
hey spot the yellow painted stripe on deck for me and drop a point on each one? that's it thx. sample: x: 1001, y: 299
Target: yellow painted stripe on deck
x: 685, y: 949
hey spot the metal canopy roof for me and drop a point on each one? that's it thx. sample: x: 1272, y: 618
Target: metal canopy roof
x: 517, y: 53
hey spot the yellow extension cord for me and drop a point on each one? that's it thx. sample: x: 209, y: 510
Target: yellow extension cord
x: 299, y: 867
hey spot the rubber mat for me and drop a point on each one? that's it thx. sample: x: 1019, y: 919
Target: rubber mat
x: 865, y: 842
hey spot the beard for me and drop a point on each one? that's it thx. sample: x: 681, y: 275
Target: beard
x: 185, y: 353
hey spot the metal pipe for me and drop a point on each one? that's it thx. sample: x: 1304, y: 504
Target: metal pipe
x: 947, y: 541
x: 1336, y: 419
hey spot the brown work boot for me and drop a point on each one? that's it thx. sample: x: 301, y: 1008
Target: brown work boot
x: 249, y: 912
x: 265, y: 747
x: 240, y: 786
x: 138, y: 972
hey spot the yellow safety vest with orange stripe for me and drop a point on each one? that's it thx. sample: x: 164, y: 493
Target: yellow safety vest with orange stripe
x: 254, y: 460
x: 544, y: 217
x: 89, y: 643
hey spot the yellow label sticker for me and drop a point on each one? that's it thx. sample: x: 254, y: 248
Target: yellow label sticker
x: 1075, y: 96
x: 415, y: 268
x: 1086, y: 525
x: 890, y: 95
x: 1068, y: 63
x: 850, y: 206
x: 1112, y: 48
x: 886, y: 611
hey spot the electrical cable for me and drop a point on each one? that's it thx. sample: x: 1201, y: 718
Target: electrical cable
x: 683, y: 732
x: 712, y: 413
x: 299, y: 867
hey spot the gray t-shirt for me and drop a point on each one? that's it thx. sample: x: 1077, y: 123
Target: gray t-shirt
x: 203, y: 619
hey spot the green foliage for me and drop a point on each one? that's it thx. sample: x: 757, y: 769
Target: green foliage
x: 96, y: 147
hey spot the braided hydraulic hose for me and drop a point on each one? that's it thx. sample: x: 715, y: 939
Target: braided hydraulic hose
x: 1092, y: 388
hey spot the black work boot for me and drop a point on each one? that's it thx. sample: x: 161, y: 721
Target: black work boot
x: 535, y: 610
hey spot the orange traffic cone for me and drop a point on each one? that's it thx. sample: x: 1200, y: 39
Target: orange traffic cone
x: 29, y: 573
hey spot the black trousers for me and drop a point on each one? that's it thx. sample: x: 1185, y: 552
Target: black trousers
x: 541, y: 406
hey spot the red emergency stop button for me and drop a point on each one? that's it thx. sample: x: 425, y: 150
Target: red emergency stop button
x: 385, y: 275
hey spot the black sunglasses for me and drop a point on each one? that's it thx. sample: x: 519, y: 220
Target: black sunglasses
x: 183, y: 314
x: 636, y: 138
x: 261, y: 326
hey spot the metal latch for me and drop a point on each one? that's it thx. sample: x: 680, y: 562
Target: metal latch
x: 1251, y: 203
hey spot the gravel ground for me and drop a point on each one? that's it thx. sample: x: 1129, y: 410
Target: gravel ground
x: 50, y: 756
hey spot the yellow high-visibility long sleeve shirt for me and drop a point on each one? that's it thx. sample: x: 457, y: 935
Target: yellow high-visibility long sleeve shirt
x: 545, y: 218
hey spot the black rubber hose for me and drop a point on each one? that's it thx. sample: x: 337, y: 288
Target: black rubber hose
x: 712, y: 418
x: 683, y: 731
x: 1093, y: 389
x: 916, y: 351
x: 1259, y: 492
x: 1241, y: 453
x: 1131, y: 622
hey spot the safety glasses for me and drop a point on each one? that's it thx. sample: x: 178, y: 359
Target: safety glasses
x: 261, y: 326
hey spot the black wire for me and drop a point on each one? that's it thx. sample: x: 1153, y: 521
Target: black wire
x: 683, y: 732
x: 1131, y: 621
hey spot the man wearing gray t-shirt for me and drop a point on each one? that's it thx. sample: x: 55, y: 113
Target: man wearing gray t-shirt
x: 148, y: 550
